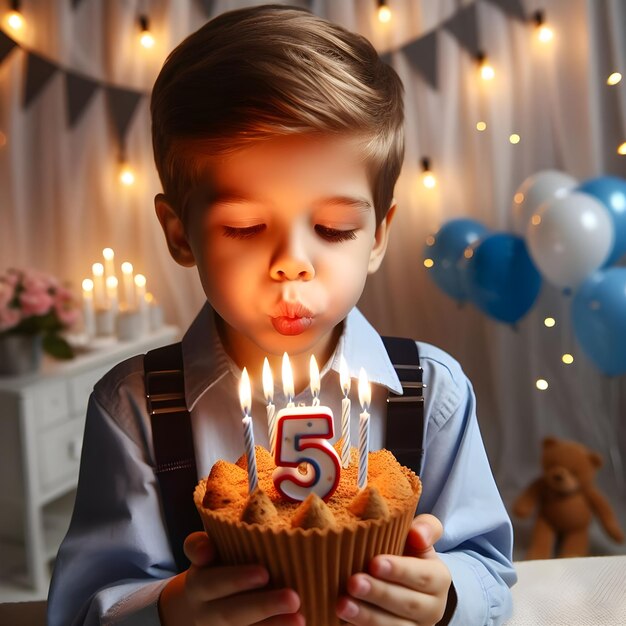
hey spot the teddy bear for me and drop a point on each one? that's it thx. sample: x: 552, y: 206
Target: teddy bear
x: 566, y: 500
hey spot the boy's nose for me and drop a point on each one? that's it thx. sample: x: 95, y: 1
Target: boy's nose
x: 291, y: 263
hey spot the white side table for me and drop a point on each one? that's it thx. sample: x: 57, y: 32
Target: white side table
x: 42, y: 418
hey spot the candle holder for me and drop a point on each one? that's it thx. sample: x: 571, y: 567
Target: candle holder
x: 105, y: 322
x: 129, y: 324
x: 156, y: 317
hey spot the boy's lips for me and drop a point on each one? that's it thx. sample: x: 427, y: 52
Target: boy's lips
x: 291, y: 318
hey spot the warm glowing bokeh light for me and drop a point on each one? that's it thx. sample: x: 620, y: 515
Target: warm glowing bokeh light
x: 535, y: 220
x: 481, y: 126
x: 428, y: 263
x: 541, y: 384
x: 544, y: 33
x: 549, y: 322
x: 15, y: 20
x: 430, y: 240
x: 518, y: 198
x: 146, y: 39
x: 486, y: 71
x: 621, y: 149
x: 428, y: 180
x: 127, y: 176
x: 514, y: 138
x: 568, y: 359
x: 614, y: 79
x: 384, y: 14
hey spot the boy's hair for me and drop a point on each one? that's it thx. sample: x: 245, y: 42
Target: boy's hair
x: 269, y: 71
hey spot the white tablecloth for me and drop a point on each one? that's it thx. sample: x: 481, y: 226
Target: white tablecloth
x: 570, y: 592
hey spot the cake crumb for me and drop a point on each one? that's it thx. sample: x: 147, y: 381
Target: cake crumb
x: 259, y: 509
x: 369, y: 504
x: 313, y: 513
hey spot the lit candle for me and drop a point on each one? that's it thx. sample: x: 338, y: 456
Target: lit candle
x: 88, y: 308
x: 302, y: 435
x: 344, y: 379
x: 109, y: 262
x: 245, y: 398
x: 364, y: 428
x: 97, y: 269
x: 127, y: 281
x: 140, y: 291
x: 268, y: 391
x: 111, y: 284
x: 314, y: 378
x: 288, y: 386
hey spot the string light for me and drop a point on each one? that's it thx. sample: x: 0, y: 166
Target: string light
x: 541, y: 384
x: 428, y: 178
x: 544, y: 33
x: 127, y: 175
x: 428, y: 263
x: 549, y: 322
x: 518, y: 198
x: 14, y: 19
x: 568, y: 359
x: 514, y: 138
x: 486, y: 71
x: 614, y: 79
x: 145, y: 38
x: 621, y: 149
x: 481, y: 126
x: 384, y: 12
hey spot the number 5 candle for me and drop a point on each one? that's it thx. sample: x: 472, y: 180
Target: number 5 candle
x: 302, y: 438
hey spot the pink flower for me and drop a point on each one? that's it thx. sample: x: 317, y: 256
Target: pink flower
x: 65, y: 308
x: 35, y: 302
x: 9, y: 318
x: 6, y: 294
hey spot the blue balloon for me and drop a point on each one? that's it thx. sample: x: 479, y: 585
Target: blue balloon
x: 611, y: 191
x: 450, y: 242
x: 599, y: 317
x: 501, y: 278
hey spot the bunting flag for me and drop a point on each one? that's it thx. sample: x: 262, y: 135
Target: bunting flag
x: 6, y: 45
x: 463, y: 25
x: 422, y: 53
x: 79, y: 90
x: 38, y: 72
x: 513, y: 8
x: 122, y: 105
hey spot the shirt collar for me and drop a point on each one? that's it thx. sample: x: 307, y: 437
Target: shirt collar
x: 206, y: 362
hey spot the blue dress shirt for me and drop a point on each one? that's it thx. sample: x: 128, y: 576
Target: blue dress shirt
x: 115, y: 559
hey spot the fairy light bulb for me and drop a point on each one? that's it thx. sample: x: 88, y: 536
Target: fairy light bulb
x: 549, y: 322
x: 568, y: 359
x: 384, y: 12
x: 541, y: 384
x: 14, y: 19
x: 481, y: 126
x: 621, y: 149
x: 145, y: 37
x: 428, y: 178
x: 543, y: 31
x: 614, y: 79
x: 127, y: 175
x: 486, y: 70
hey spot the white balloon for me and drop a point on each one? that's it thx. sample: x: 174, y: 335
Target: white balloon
x: 569, y: 238
x: 534, y: 191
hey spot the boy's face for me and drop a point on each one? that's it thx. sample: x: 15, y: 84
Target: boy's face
x: 284, y: 243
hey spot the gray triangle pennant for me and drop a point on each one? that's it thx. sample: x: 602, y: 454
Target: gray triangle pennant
x: 386, y: 57
x: 38, y: 72
x: 122, y: 105
x: 513, y: 8
x: 463, y: 25
x: 422, y: 53
x: 6, y: 45
x: 79, y: 90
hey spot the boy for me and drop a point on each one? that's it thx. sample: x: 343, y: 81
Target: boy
x: 278, y: 139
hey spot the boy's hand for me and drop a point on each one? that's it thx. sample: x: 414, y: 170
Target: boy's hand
x: 409, y: 589
x: 224, y: 595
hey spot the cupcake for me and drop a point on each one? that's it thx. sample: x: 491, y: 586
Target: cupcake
x: 312, y: 546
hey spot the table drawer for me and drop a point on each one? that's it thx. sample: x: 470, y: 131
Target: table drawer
x: 59, y: 450
x: 81, y: 386
x: 51, y: 403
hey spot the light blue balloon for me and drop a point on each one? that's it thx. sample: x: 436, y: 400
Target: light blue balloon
x: 501, y: 278
x: 611, y: 191
x: 599, y: 317
x: 450, y: 242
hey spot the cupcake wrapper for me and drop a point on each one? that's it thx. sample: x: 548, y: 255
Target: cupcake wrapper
x: 315, y: 563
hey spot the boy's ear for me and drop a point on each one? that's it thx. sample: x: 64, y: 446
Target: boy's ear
x: 380, y: 241
x: 174, y: 231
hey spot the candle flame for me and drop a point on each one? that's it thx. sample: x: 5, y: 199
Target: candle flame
x: 140, y: 280
x: 97, y: 269
x: 365, y: 392
x: 314, y: 374
x: 108, y: 254
x: 127, y: 268
x: 288, y: 389
x: 245, y: 393
x: 111, y: 282
x: 344, y: 375
x: 268, y: 381
x: 88, y: 285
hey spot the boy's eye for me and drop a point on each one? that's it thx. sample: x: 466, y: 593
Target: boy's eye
x: 243, y: 233
x: 333, y: 234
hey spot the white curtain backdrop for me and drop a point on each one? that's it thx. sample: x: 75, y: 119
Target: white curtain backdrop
x: 61, y: 203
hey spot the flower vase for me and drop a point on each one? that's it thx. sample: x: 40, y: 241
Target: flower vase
x: 20, y: 353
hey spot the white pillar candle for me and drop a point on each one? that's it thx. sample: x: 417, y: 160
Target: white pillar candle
x: 109, y: 262
x: 89, y: 320
x: 314, y: 377
x: 112, y: 300
x: 268, y: 392
x: 140, y: 290
x: 245, y: 398
x: 364, y: 428
x: 128, y: 284
x: 344, y: 378
x: 97, y: 269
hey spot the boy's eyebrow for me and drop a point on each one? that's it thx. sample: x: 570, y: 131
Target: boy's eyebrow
x: 348, y: 201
